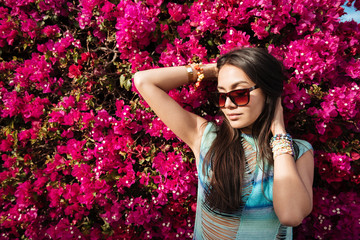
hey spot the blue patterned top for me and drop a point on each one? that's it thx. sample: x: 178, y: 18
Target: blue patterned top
x: 257, y: 218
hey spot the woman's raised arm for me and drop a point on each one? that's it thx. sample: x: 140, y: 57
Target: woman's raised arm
x: 292, y: 189
x: 153, y: 85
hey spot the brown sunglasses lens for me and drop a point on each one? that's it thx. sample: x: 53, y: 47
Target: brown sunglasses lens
x: 239, y: 97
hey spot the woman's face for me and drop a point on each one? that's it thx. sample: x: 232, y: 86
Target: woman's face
x: 232, y: 78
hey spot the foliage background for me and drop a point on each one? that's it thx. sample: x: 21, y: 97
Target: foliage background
x: 84, y: 157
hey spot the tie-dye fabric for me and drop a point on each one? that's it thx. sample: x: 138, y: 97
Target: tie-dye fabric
x: 256, y: 219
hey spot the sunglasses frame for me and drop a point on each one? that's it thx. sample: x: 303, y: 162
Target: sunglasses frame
x: 228, y: 95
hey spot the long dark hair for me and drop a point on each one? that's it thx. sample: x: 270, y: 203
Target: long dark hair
x: 226, y: 156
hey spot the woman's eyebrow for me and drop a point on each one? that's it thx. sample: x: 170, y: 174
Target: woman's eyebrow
x: 234, y: 85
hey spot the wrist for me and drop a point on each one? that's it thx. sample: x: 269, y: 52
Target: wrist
x: 279, y: 130
x: 191, y: 72
x: 210, y: 71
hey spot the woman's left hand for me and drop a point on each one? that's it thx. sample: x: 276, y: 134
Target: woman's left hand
x: 278, y: 125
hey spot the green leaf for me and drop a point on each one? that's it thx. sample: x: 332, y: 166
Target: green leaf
x: 128, y: 86
x: 125, y: 83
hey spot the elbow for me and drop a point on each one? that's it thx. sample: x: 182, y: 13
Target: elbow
x: 293, y: 219
x: 138, y: 79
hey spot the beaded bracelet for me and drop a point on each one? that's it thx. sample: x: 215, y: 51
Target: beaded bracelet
x: 282, y: 144
x: 190, y: 72
x: 200, y: 75
x: 279, y: 137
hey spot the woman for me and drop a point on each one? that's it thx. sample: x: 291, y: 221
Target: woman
x: 255, y: 182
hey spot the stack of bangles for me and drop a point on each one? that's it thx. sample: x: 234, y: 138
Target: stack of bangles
x: 282, y: 144
x: 199, y: 71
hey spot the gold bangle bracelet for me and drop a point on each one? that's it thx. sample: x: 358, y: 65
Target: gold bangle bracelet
x: 190, y: 73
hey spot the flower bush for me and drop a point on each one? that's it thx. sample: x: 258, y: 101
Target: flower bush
x: 84, y: 157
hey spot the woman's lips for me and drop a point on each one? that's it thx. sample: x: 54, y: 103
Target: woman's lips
x: 233, y: 116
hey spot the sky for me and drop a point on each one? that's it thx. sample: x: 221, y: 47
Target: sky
x: 351, y: 14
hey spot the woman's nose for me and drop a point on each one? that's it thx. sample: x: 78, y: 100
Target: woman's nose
x: 229, y: 103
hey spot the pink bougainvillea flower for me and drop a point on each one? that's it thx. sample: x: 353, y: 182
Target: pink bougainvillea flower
x: 68, y: 102
x: 8, y: 161
x: 72, y: 117
x: 234, y: 39
x: 74, y: 148
x: 24, y: 194
x: 108, y: 7
x: 67, y: 134
x: 6, y: 144
x: 103, y: 119
x: 7, y: 32
x: 134, y: 18
x: 57, y: 116
x: 177, y: 12
x: 74, y: 71
x: 260, y: 27
x: 13, y: 104
x: 87, y: 118
x: 50, y: 31
x: 164, y: 28
x: 34, y: 109
x: 29, y: 27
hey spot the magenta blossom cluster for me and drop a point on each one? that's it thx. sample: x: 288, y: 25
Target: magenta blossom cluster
x: 341, y: 102
x: 84, y: 157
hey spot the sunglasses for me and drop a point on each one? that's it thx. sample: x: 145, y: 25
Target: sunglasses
x: 239, y: 97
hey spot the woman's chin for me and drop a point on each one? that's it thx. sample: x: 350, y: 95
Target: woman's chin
x: 245, y: 128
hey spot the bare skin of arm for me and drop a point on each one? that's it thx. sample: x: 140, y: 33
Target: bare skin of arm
x: 292, y: 189
x: 153, y: 86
